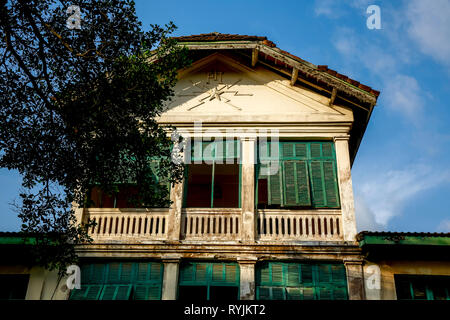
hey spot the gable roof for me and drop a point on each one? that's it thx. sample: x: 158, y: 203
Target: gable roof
x: 254, y: 50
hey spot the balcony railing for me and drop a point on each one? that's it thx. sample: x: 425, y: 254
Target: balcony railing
x: 288, y: 225
x: 211, y: 224
x: 205, y: 225
x: 128, y: 224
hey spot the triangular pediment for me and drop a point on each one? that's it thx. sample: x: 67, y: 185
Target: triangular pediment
x: 220, y: 89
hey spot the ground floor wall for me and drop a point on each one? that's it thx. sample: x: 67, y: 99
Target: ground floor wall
x: 41, y: 284
x: 386, y: 272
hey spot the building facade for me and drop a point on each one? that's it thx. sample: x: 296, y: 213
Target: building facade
x: 266, y: 209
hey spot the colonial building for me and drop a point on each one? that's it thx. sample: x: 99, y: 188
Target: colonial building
x: 266, y: 209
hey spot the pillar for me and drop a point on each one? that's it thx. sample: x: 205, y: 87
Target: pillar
x: 170, y: 277
x: 36, y: 283
x: 174, y: 218
x: 248, y: 190
x: 247, y: 278
x: 345, y: 188
x: 355, y: 279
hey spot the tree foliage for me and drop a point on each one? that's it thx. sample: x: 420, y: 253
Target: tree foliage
x: 78, y: 107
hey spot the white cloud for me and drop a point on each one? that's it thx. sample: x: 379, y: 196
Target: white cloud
x: 429, y: 27
x: 328, y: 8
x: 386, y: 192
x: 402, y: 93
x: 444, y: 226
x: 365, y: 218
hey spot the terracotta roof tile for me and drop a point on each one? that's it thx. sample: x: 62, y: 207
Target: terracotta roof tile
x: 216, y: 36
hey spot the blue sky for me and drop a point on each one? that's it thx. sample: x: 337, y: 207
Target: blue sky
x: 401, y: 175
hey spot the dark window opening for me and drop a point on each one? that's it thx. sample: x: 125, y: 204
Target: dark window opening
x: 217, y: 293
x: 13, y: 286
x: 212, y: 186
x: 416, y: 287
x: 190, y: 293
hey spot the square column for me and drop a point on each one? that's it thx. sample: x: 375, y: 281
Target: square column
x: 176, y: 197
x: 345, y: 188
x: 170, y: 277
x: 355, y: 279
x: 247, y: 278
x: 248, y: 190
x: 174, y: 217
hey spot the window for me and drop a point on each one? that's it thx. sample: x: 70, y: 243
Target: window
x: 213, y: 175
x: 422, y: 287
x: 209, y: 281
x: 294, y: 281
x: 128, y: 190
x: 13, y: 286
x: 297, y: 174
x: 120, y: 281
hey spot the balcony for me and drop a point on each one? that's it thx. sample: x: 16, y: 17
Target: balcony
x: 127, y: 225
x: 207, y: 225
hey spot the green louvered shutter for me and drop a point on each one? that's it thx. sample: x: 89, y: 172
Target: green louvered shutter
x: 126, y: 274
x: 325, y: 293
x: 315, y: 150
x: 275, y: 187
x: 140, y: 292
x: 340, y: 293
x: 147, y: 292
x: 116, y: 292
x: 296, y: 183
x: 97, y: 273
x: 288, y: 150
x: 278, y: 293
x: 308, y: 293
x: 188, y: 272
x: 330, y: 181
x: 290, y: 184
x: 154, y: 293
x: 265, y: 274
x: 114, y: 272
x: 200, y: 272
x: 79, y: 294
x: 293, y: 293
x: 277, y: 274
x: 93, y: 292
x: 338, y: 273
x: 263, y: 293
x: 217, y: 272
x: 231, y: 273
x: 293, y: 276
x: 302, y: 182
x: 156, y: 271
x: 317, y: 183
x: 306, y: 273
x: 301, y: 150
x: 324, y: 273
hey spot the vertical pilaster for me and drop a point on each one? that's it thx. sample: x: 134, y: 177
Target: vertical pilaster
x: 248, y: 190
x: 36, y: 283
x: 355, y: 279
x: 247, y: 278
x: 174, y: 218
x: 345, y: 187
x: 170, y: 277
